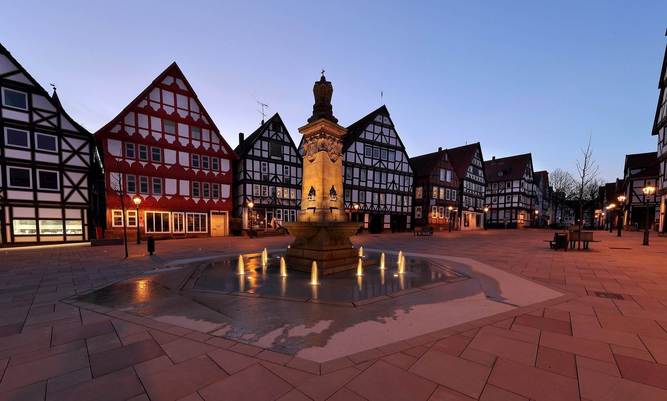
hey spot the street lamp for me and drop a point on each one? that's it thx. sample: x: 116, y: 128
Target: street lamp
x: 450, y: 208
x: 486, y: 210
x: 250, y: 205
x: 648, y: 191
x: 137, y: 202
x: 537, y: 213
x: 619, y: 221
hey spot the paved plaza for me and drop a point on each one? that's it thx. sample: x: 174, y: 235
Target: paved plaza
x: 602, y: 336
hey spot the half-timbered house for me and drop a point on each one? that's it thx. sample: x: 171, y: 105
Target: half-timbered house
x: 46, y: 161
x: 378, y: 175
x: 660, y: 130
x: 268, y: 177
x: 509, y: 191
x: 640, y: 170
x: 165, y: 150
x: 542, y: 198
x: 436, y: 189
x: 468, y: 163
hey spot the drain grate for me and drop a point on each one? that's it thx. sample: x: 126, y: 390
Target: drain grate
x: 618, y: 247
x: 608, y: 295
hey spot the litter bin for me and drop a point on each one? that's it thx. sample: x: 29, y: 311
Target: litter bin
x: 150, y: 244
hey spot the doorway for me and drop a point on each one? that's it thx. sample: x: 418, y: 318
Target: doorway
x: 219, y: 224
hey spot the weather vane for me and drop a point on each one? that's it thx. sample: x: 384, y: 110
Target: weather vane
x: 322, y: 71
x: 53, y: 86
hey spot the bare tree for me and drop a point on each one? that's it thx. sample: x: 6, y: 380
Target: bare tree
x: 117, y: 185
x: 563, y: 188
x: 587, y: 174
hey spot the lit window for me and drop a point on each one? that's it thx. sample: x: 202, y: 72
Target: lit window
x: 131, y: 218
x: 156, y: 222
x: 418, y: 212
x: 419, y: 192
x: 17, y: 137
x: 73, y: 227
x: 46, y: 142
x: 50, y: 227
x: 178, y: 222
x: 24, y: 227
x: 116, y: 218
x: 15, y: 99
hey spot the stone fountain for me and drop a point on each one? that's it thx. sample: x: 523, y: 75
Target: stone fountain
x: 322, y: 231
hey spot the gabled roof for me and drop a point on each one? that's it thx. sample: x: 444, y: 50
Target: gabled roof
x: 662, y: 85
x: 462, y: 156
x: 174, y: 70
x: 647, y: 163
x: 541, y: 177
x: 507, y: 168
x: 424, y: 164
x: 358, y: 127
x: 610, y: 191
x: 247, y: 144
x: 40, y: 89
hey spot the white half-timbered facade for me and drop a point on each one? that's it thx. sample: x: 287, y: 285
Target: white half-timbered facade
x: 268, y: 177
x: 378, y: 175
x: 660, y: 130
x: 165, y: 150
x: 640, y: 170
x: 469, y: 165
x: 510, y: 191
x: 46, y: 160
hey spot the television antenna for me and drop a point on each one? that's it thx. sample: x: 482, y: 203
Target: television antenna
x: 263, y: 107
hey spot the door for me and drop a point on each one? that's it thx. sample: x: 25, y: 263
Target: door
x: 218, y: 224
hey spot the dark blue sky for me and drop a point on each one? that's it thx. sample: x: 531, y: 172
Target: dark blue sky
x: 519, y: 76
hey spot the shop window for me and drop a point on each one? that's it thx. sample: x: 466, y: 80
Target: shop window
x: 24, y: 227
x: 156, y: 222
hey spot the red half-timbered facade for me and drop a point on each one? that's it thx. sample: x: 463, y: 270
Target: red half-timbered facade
x: 165, y: 150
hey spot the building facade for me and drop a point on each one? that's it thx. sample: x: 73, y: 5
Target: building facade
x: 46, y: 164
x: 268, y: 177
x: 660, y: 130
x: 640, y: 171
x: 436, y: 189
x: 468, y: 163
x: 165, y: 150
x: 509, y: 191
x: 378, y: 176
x: 542, y: 192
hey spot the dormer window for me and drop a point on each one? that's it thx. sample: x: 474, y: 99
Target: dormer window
x: 311, y: 194
x: 333, y: 195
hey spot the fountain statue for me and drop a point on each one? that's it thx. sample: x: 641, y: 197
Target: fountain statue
x: 322, y: 231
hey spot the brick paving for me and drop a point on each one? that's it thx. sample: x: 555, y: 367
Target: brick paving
x: 582, y: 347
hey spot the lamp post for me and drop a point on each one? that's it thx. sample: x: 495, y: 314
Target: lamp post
x: 610, y: 210
x: 450, y: 208
x: 137, y: 202
x: 537, y: 213
x: 648, y: 191
x: 250, y: 205
x: 486, y: 210
x: 619, y: 219
x: 356, y: 210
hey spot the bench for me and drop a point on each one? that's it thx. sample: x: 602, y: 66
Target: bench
x: 585, y: 236
x: 559, y: 241
x: 423, y: 231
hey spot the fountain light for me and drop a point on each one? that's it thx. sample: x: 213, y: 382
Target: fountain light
x: 401, y: 264
x: 313, y: 274
x: 400, y: 257
x: 382, y: 276
x: 265, y: 257
x: 283, y: 267
x: 240, y: 266
x: 382, y: 261
x: 361, y: 251
x: 360, y: 268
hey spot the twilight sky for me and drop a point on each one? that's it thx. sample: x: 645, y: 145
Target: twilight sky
x: 519, y: 76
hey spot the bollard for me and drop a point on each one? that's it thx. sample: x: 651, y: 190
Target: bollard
x: 150, y: 245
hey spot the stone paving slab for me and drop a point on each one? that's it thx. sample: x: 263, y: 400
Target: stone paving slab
x: 615, y: 349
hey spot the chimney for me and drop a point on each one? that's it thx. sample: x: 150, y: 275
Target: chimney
x: 439, y: 148
x: 493, y: 158
x: 241, y: 137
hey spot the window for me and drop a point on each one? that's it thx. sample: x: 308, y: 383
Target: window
x: 131, y: 183
x: 156, y: 222
x: 196, y: 222
x: 24, y: 227
x: 215, y: 163
x: 368, y: 151
x: 418, y: 212
x: 157, y: 186
x: 434, y: 212
x: 215, y: 191
x: 73, y: 227
x: 143, y: 185
x: 434, y: 195
x: 143, y: 152
x: 16, y: 99
x: 195, y: 161
x: 116, y: 218
x: 207, y: 189
x: 156, y: 155
x: 169, y: 127
x: 47, y: 180
x: 441, y: 212
x: 196, y: 189
x: 178, y: 222
x: 46, y: 142
x: 419, y: 192
x: 130, y: 151
x: 19, y: 177
x: 205, y: 162
x: 196, y: 133
x: 376, y: 153
x: 275, y: 149
x: 131, y: 218
x: 17, y: 137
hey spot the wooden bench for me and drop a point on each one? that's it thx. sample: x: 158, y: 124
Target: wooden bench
x: 559, y: 241
x: 585, y: 236
x: 423, y: 231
